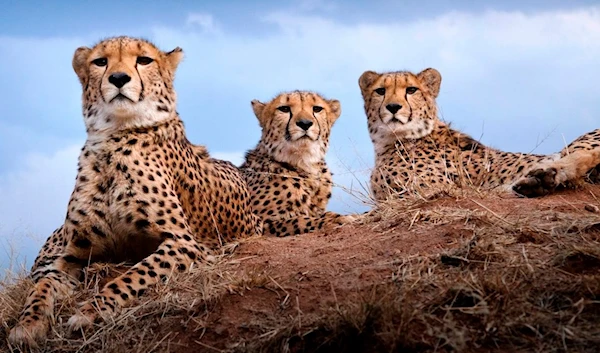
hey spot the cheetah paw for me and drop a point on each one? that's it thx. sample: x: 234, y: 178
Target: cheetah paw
x: 28, y: 333
x: 344, y: 219
x: 87, y: 315
x: 538, y: 182
x: 338, y: 222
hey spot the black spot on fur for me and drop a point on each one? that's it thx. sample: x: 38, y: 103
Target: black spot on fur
x: 142, y: 223
x: 74, y: 260
x: 82, y: 242
x: 98, y: 232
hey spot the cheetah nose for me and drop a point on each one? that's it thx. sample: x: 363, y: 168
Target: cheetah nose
x: 393, y: 108
x: 304, y: 124
x: 119, y: 79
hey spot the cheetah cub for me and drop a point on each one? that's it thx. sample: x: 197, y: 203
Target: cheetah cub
x: 413, y: 148
x: 143, y: 192
x: 286, y: 173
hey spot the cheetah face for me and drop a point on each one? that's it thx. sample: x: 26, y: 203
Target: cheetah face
x: 126, y: 82
x: 296, y: 127
x: 400, y: 104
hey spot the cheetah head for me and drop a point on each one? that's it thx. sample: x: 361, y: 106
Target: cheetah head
x: 127, y: 82
x: 296, y: 127
x: 400, y: 105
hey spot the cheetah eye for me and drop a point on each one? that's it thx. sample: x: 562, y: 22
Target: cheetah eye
x: 317, y: 109
x: 284, y: 109
x: 380, y: 91
x: 100, y: 62
x: 411, y: 90
x: 144, y: 60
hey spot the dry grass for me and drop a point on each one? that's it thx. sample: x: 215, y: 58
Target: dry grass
x: 137, y: 329
x: 519, y: 281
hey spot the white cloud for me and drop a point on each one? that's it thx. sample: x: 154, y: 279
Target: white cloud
x: 34, y: 200
x: 316, y: 5
x: 237, y: 158
x: 36, y: 194
x: 206, y: 22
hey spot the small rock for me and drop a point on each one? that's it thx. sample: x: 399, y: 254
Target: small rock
x: 592, y: 208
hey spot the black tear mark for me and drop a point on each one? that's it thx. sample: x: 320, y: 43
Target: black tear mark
x: 141, y: 83
x: 318, y: 125
x: 288, y: 136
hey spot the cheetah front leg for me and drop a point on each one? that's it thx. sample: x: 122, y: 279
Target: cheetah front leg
x: 56, y: 272
x: 55, y: 277
x: 177, y: 251
x: 542, y: 181
x: 59, y: 282
x: 306, y: 224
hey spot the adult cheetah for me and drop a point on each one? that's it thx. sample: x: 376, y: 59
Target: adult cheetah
x: 286, y: 173
x: 413, y: 148
x: 143, y: 192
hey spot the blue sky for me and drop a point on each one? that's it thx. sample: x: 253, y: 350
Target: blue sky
x: 521, y: 77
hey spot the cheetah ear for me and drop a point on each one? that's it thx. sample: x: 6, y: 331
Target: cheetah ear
x: 367, y: 79
x: 258, y: 107
x: 336, y: 109
x: 432, y: 79
x: 80, y: 64
x: 174, y: 58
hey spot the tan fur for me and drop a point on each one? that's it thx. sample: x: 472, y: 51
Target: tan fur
x: 143, y: 193
x: 414, y: 149
x: 287, y: 175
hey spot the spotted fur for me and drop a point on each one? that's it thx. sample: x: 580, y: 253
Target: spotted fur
x: 288, y: 178
x: 414, y: 149
x: 143, y: 192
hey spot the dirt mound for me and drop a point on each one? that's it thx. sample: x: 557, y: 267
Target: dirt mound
x: 453, y: 272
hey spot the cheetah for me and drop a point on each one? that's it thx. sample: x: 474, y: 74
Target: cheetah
x: 413, y: 148
x: 286, y: 173
x: 143, y: 192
